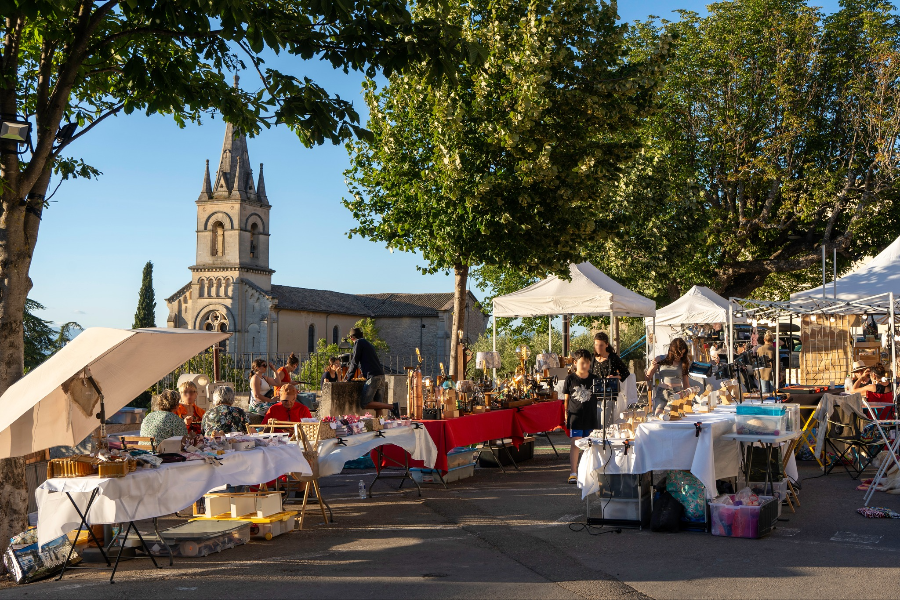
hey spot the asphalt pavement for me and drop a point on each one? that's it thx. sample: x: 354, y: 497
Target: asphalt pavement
x: 508, y: 535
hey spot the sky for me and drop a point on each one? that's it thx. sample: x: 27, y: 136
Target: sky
x: 97, y: 235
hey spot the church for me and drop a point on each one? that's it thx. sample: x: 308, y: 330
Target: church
x: 231, y: 285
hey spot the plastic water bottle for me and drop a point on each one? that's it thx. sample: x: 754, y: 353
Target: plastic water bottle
x: 362, y: 490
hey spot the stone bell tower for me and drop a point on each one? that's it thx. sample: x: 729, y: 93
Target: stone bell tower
x: 230, y: 278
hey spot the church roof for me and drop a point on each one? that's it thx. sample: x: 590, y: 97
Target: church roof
x: 365, y: 305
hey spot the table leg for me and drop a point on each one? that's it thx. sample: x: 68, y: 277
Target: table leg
x: 406, y: 475
x: 164, y: 542
x: 81, y: 526
x: 546, y: 434
x: 508, y: 454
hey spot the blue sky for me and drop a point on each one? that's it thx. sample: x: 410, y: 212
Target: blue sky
x: 97, y: 235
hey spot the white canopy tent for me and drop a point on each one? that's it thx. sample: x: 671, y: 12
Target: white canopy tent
x: 699, y: 305
x: 589, y: 293
x: 56, y: 403
x: 881, y: 275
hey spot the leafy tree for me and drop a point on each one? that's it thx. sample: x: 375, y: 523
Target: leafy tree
x: 505, y: 165
x: 41, y: 340
x: 373, y: 334
x: 82, y: 61
x: 778, y: 135
x: 145, y: 316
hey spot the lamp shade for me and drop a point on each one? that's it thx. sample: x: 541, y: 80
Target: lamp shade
x: 487, y: 360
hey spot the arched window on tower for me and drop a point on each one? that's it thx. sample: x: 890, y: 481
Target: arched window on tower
x: 218, y: 288
x: 335, y: 335
x: 311, y: 345
x: 218, y: 239
x: 254, y: 239
x: 202, y: 283
x: 209, y: 288
x: 228, y: 287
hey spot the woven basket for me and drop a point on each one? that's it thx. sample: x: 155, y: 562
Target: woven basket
x: 117, y: 468
x: 372, y: 424
x: 71, y: 466
x: 317, y: 431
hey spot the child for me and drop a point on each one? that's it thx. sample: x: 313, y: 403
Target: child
x: 581, y: 406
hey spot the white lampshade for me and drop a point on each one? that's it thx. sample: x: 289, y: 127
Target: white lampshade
x: 487, y: 360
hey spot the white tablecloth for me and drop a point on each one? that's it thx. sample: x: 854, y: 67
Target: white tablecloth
x: 416, y: 441
x: 149, y: 493
x: 664, y: 445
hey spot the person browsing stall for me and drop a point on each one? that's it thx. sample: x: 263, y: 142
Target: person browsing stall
x: 605, y: 363
x: 581, y: 406
x: 365, y: 358
x: 767, y: 351
x: 287, y: 409
x: 187, y: 409
x: 672, y: 368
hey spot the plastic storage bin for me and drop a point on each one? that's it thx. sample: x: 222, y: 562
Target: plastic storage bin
x: 760, y: 424
x: 778, y: 490
x: 202, y: 538
x: 744, y: 521
x: 770, y: 410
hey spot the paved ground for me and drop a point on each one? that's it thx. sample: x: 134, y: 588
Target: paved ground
x: 507, y: 535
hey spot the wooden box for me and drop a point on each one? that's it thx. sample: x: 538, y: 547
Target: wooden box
x: 268, y: 504
x: 242, y: 505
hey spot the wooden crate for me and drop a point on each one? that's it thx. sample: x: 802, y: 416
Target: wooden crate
x: 71, y: 466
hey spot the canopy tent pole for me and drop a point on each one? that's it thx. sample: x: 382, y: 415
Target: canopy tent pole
x: 790, y: 349
x: 777, y: 352
x: 730, y: 335
x: 834, y: 281
x: 655, y: 339
x: 613, y: 330
x: 494, y: 320
x: 566, y: 339
x: 893, y: 333
x: 823, y: 271
x: 550, y: 334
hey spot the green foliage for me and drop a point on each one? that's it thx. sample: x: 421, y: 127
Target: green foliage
x: 778, y: 133
x: 505, y: 165
x: 42, y: 340
x: 145, y: 316
x: 373, y: 334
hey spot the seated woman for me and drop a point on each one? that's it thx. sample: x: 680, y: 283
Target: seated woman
x: 283, y: 374
x: 163, y: 423
x: 873, y: 380
x: 288, y: 409
x: 223, y: 417
x: 261, y: 385
x: 672, y: 369
x: 332, y: 371
x: 187, y: 409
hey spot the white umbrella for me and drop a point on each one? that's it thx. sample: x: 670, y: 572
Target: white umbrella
x: 57, y: 403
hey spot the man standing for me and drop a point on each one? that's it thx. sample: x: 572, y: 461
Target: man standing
x: 365, y: 358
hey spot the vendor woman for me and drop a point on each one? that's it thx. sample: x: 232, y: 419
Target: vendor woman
x: 187, y: 408
x: 605, y: 363
x: 672, y: 369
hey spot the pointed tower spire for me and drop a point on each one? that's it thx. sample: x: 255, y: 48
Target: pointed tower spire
x: 261, y: 187
x: 206, y: 191
x: 240, y: 177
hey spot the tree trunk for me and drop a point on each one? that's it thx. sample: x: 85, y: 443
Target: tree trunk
x: 20, y: 222
x: 460, y: 297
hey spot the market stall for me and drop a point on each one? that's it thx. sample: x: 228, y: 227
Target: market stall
x: 590, y: 292
x: 699, y: 308
x: 148, y: 493
x: 513, y: 424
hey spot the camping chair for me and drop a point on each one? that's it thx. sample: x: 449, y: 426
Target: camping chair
x: 854, y: 441
x: 294, y: 480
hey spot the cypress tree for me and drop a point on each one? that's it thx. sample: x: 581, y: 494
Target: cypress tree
x: 145, y: 316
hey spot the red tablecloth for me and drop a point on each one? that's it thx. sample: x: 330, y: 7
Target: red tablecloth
x: 512, y: 423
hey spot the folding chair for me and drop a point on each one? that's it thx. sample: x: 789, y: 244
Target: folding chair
x: 853, y: 440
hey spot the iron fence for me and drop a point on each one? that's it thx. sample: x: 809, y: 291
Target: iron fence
x: 236, y: 368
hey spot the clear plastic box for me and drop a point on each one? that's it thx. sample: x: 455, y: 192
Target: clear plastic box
x: 778, y: 490
x: 760, y: 424
x: 202, y: 538
x: 744, y: 521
